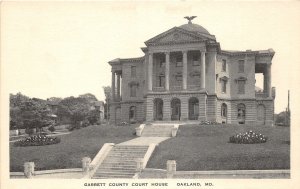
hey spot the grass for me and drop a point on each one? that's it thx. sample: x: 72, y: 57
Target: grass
x: 207, y: 148
x: 72, y: 148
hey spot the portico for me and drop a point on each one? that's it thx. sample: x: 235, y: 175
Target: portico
x: 161, y: 64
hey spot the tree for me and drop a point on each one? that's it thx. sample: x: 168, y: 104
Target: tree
x: 15, y: 102
x: 107, y: 93
x: 89, y: 97
x: 75, y: 108
x: 54, y: 99
x: 35, y: 114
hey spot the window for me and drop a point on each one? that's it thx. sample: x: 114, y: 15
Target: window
x: 223, y: 85
x: 178, y: 77
x: 133, y: 71
x: 196, y: 61
x: 179, y: 61
x: 196, y: 108
x: 241, y: 86
x: 132, y: 111
x: 241, y: 113
x: 224, y: 65
x: 161, y: 81
x: 224, y: 110
x: 241, y: 66
x: 133, y: 90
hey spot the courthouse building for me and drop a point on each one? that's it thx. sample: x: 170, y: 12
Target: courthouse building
x: 185, y: 75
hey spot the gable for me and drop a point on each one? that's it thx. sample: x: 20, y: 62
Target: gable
x: 175, y: 35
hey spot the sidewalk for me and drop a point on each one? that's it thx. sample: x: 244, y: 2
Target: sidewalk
x: 144, y: 141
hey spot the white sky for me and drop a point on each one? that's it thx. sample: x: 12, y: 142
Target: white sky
x: 61, y: 49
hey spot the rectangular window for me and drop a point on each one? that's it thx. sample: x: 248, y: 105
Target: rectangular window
x: 178, y: 77
x: 196, y: 61
x: 223, y: 85
x: 179, y: 61
x: 133, y: 71
x: 133, y: 91
x: 241, y: 87
x: 224, y: 65
x: 241, y: 66
x: 161, y: 81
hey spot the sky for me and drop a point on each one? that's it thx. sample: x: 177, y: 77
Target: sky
x: 62, y: 48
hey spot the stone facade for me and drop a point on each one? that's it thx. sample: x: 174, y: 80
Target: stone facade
x: 184, y: 75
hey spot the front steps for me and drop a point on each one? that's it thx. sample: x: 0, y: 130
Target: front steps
x: 157, y: 131
x: 120, y: 162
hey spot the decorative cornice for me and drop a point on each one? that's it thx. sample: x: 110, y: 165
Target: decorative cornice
x: 262, y: 53
x: 175, y: 43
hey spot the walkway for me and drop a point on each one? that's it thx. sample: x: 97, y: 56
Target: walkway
x: 144, y: 141
x: 121, y: 160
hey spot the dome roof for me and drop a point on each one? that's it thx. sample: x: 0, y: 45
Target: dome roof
x: 194, y: 28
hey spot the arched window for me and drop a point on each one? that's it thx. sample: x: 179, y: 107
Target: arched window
x: 132, y: 113
x: 193, y: 108
x: 241, y: 113
x: 224, y: 110
x: 158, y: 109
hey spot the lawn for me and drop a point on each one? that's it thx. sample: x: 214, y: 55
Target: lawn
x: 72, y: 148
x: 207, y: 148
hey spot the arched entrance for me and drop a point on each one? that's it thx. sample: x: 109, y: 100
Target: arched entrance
x: 224, y: 113
x: 132, y: 114
x: 241, y: 110
x: 175, y: 109
x: 261, y: 114
x: 158, y: 109
x: 193, y: 108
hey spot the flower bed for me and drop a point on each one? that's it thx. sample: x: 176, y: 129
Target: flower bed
x: 37, y: 140
x: 209, y: 123
x: 249, y: 137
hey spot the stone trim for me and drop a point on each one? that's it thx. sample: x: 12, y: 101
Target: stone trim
x: 240, y: 53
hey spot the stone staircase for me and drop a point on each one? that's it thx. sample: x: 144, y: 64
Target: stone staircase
x: 157, y: 131
x: 120, y: 162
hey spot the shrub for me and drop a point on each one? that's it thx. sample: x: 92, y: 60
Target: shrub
x: 209, y: 123
x: 51, y: 128
x: 249, y: 137
x: 37, y: 140
x: 29, y: 131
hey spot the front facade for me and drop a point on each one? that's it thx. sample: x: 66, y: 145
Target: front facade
x: 185, y: 75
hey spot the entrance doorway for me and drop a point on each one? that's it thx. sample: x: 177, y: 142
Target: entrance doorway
x: 176, y: 109
x: 193, y: 108
x: 241, y: 109
x: 158, y: 109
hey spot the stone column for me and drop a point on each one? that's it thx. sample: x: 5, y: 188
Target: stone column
x: 167, y: 70
x: 150, y: 71
x: 265, y: 89
x: 184, y: 71
x: 269, y: 80
x: 118, y: 85
x: 202, y: 82
x: 28, y: 169
x: 171, y: 168
x: 86, y: 161
x: 113, y: 85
